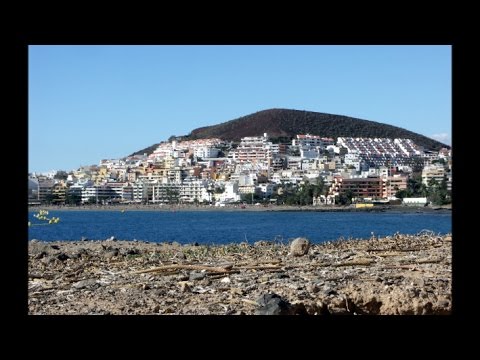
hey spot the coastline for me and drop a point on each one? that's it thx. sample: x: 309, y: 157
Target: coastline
x: 183, y: 207
x: 394, y: 275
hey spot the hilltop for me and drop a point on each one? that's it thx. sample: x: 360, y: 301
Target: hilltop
x: 285, y: 123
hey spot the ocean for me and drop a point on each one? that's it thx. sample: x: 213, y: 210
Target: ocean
x: 223, y: 227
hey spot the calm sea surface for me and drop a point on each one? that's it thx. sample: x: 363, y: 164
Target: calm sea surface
x: 222, y: 227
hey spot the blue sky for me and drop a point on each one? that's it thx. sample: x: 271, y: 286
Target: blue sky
x: 88, y: 103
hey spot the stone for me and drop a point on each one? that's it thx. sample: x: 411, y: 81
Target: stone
x: 111, y: 253
x: 132, y: 252
x: 84, y: 284
x: 180, y: 255
x: 299, y: 247
x: 226, y: 280
x: 195, y: 275
x: 40, y: 255
x: 62, y: 257
x: 236, y: 291
x: 185, y: 286
x: 182, y: 277
x: 313, y: 288
x: 272, y: 304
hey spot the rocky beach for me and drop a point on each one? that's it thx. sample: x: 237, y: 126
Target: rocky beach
x: 395, y: 275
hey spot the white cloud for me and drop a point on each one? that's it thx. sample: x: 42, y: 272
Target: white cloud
x: 442, y: 137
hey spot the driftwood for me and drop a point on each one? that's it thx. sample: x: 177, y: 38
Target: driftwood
x: 259, y: 267
x: 355, y: 262
x: 260, y: 262
x: 185, y: 267
x: 228, y: 268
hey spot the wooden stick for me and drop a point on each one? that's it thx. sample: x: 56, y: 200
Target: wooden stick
x: 273, y: 262
x: 259, y: 267
x: 354, y: 262
x: 183, y: 267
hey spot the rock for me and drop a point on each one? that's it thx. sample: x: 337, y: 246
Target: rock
x: 196, y: 244
x: 62, y: 257
x: 40, y: 255
x: 132, y: 252
x: 264, y: 278
x: 185, y: 286
x: 79, y: 253
x: 327, y: 291
x: 226, y: 280
x: 299, y: 247
x: 111, y: 253
x: 447, y: 238
x: 55, y: 247
x: 313, y: 288
x: 182, y: 277
x: 195, y: 275
x: 236, y: 291
x: 180, y: 255
x: 444, y: 304
x: 85, y: 284
x: 84, y: 238
x: 272, y: 304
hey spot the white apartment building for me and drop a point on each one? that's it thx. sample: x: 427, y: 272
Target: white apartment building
x: 255, y: 149
x: 206, y: 152
x: 192, y: 190
x: 231, y: 193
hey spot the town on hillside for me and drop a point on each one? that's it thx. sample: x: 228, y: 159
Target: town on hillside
x: 307, y: 170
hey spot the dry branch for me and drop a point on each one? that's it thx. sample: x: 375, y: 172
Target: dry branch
x: 184, y: 267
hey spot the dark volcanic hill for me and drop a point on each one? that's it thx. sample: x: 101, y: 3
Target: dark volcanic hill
x: 288, y: 123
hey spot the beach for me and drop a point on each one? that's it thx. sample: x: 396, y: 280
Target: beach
x: 394, y: 275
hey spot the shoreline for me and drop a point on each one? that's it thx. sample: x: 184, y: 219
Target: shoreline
x: 393, y: 275
x: 272, y: 208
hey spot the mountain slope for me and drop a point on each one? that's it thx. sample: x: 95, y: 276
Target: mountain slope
x: 288, y: 123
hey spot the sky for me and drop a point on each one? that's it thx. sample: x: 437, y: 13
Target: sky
x: 88, y: 103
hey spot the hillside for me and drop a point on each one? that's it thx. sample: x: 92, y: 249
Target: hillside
x: 288, y: 123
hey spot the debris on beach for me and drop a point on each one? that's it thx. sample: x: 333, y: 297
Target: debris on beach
x: 400, y: 274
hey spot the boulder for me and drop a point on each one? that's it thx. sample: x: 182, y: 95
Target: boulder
x: 299, y: 247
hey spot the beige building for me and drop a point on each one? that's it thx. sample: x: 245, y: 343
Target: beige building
x: 436, y: 172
